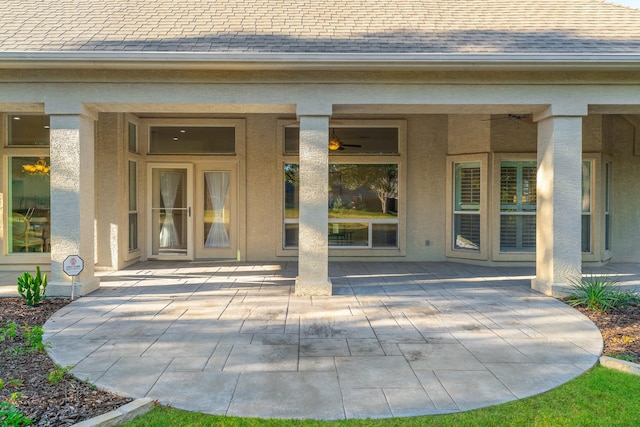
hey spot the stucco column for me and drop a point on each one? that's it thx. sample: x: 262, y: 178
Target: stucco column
x: 559, y: 192
x: 72, y: 200
x: 313, y: 240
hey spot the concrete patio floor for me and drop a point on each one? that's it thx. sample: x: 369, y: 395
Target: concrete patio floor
x: 396, y: 339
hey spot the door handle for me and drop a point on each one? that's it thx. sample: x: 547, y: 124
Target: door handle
x: 189, y: 211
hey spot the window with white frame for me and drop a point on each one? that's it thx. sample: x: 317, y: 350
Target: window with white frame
x: 518, y: 206
x: 362, y: 205
x: 466, y: 209
x: 29, y: 194
x: 607, y: 206
x: 586, y: 206
x: 133, y: 137
x: 133, y: 205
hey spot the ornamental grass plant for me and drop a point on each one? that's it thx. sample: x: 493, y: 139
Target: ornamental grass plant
x: 600, y: 293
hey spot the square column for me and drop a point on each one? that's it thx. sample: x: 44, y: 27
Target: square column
x: 559, y: 211
x: 72, y: 201
x: 313, y: 238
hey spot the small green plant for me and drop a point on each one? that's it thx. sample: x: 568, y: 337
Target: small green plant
x: 32, y: 288
x: 624, y: 357
x: 57, y: 374
x: 11, y: 416
x: 599, y: 293
x: 33, y: 338
x: 15, y: 396
x: 8, y: 331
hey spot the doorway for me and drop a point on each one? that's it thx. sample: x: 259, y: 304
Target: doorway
x: 193, y: 212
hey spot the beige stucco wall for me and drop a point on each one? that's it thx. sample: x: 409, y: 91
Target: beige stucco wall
x: 425, y: 195
x: 110, y: 199
x: 264, y: 182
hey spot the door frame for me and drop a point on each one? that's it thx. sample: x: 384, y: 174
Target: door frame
x: 231, y: 253
x: 149, y: 214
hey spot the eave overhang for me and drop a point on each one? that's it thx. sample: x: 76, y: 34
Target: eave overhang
x: 318, y: 61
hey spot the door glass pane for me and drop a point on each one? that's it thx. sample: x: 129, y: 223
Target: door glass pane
x: 169, y: 212
x: 216, y: 210
x: 29, y: 205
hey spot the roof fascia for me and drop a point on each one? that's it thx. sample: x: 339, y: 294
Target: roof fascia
x: 316, y: 61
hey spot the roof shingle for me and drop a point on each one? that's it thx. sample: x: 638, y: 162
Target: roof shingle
x: 320, y: 26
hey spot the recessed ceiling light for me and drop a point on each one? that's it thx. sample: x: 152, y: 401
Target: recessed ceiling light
x: 182, y: 131
x: 175, y: 138
x: 16, y: 118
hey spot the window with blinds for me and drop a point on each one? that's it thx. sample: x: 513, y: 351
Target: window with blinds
x: 466, y: 210
x: 518, y: 206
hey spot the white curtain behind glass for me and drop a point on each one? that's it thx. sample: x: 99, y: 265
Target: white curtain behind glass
x: 218, y: 186
x: 169, y: 183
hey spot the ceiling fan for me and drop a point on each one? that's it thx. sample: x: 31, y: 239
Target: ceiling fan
x: 335, y: 144
x: 526, y: 118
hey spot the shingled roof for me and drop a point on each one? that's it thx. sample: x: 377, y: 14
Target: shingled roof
x: 320, y: 26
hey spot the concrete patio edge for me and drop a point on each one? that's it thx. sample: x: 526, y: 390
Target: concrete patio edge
x: 620, y: 365
x: 121, y: 415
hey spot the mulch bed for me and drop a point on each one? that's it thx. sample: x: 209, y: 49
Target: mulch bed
x: 24, y: 372
x: 71, y: 401
x: 620, y: 329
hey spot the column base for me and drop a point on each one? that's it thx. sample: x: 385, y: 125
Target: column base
x: 556, y: 290
x: 314, y: 289
x: 63, y: 289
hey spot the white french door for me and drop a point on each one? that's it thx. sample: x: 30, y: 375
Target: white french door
x: 170, y: 215
x: 192, y: 215
x: 216, y: 230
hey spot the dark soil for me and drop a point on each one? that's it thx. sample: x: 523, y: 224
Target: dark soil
x: 24, y: 373
x: 70, y: 401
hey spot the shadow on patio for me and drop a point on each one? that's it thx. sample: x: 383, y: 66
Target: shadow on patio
x: 395, y: 339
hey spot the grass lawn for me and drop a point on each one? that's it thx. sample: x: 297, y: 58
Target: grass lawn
x: 600, y: 397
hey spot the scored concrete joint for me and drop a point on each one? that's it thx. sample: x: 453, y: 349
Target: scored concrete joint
x: 620, y: 365
x: 121, y: 415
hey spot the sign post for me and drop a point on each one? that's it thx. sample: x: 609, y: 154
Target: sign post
x: 73, y: 266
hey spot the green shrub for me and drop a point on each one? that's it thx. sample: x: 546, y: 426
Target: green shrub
x: 600, y: 293
x: 32, y: 288
x: 11, y: 416
x: 33, y: 338
x: 8, y: 331
x: 57, y: 374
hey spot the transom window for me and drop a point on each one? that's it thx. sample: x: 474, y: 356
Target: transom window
x: 28, y: 130
x: 192, y: 140
x: 350, y: 141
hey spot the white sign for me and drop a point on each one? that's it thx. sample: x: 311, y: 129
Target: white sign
x: 73, y: 265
